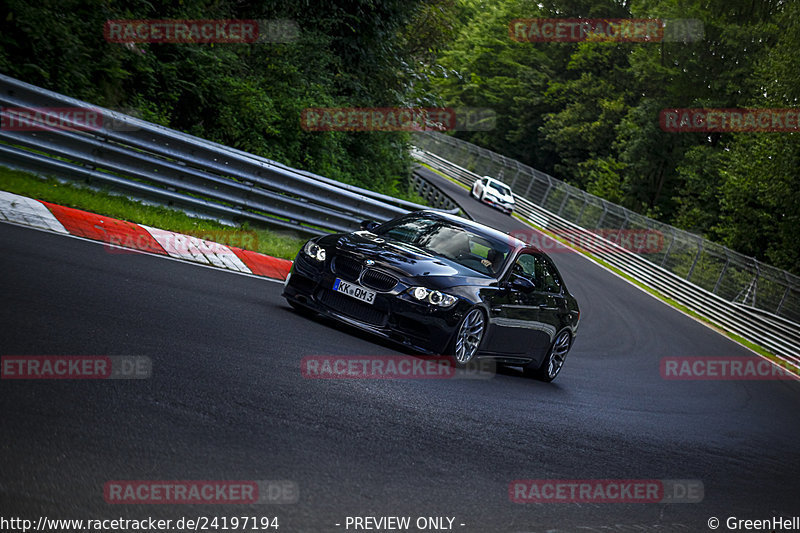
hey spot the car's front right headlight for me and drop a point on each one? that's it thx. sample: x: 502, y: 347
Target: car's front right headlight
x: 314, y: 251
x: 433, y: 297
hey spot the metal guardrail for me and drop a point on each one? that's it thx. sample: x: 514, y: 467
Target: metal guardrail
x: 778, y: 335
x: 168, y: 166
x: 432, y: 195
x: 724, y: 272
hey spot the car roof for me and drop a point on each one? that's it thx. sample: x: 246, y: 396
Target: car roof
x: 497, y: 181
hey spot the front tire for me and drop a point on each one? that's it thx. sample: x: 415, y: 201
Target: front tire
x: 468, y: 337
x: 554, y: 361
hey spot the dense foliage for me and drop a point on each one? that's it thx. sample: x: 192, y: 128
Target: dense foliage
x: 250, y: 96
x: 588, y: 112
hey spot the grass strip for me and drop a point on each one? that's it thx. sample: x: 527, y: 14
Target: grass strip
x: 103, y: 202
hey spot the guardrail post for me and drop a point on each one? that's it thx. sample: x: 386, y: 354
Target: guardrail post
x: 563, y: 202
x: 583, y: 208
x: 785, y: 294
x: 669, y: 248
x: 546, y: 192
x: 755, y: 284
x: 603, y: 216
x: 514, y: 179
x: 696, y: 257
x: 473, y: 158
x: 721, y: 274
x: 530, y: 184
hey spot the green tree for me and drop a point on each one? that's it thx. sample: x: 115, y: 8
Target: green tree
x: 760, y: 194
x: 348, y: 53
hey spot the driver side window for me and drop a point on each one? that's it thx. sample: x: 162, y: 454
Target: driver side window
x: 538, y: 271
x: 526, y: 267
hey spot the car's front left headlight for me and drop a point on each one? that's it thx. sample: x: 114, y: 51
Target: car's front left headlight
x: 433, y: 297
x: 314, y: 251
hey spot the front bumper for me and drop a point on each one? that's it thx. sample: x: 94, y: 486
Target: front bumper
x: 393, y: 315
x: 506, y: 208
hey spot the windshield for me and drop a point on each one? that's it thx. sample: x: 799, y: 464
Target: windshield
x: 502, y: 189
x: 439, y: 237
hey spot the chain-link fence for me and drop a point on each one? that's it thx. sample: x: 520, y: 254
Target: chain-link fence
x: 714, y: 267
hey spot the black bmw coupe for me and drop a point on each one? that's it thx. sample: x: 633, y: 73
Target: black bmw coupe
x: 440, y: 284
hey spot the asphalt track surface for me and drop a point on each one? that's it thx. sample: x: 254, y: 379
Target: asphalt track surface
x: 227, y: 402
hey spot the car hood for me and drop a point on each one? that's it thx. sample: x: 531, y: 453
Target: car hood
x: 504, y: 197
x: 405, y: 260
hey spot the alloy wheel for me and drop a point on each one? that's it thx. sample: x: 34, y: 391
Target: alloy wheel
x: 469, y: 336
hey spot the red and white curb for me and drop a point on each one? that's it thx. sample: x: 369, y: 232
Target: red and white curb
x: 28, y: 212
x: 57, y: 218
x: 198, y: 250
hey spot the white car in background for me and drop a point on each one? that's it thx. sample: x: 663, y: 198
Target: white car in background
x: 495, y: 193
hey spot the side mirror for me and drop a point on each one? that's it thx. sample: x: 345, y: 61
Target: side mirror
x: 518, y: 283
x: 369, y: 225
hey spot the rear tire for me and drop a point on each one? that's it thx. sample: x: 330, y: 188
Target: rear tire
x: 554, y: 362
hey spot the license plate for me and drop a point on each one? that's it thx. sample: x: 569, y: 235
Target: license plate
x: 356, y: 291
